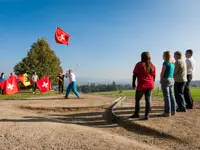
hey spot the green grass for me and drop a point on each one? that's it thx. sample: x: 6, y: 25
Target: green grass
x: 157, y: 93
x: 25, y: 94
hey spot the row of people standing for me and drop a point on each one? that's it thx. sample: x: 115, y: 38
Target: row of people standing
x: 181, y: 72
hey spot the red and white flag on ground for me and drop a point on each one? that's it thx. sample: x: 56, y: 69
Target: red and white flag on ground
x: 11, y: 86
x: 44, y: 84
x: 61, y: 36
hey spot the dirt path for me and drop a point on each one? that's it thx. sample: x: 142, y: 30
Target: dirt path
x: 87, y: 129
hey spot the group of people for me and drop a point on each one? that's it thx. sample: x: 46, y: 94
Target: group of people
x: 35, y: 78
x: 175, y: 78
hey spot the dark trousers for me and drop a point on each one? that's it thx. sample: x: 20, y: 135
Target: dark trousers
x: 138, y: 97
x: 34, y: 86
x: 179, y: 94
x: 187, y: 93
x: 1, y: 91
x: 60, y: 87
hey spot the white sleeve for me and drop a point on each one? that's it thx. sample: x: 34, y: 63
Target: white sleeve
x: 188, y: 62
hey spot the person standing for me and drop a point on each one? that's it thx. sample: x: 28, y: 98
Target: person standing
x: 72, y: 84
x: 34, y: 80
x: 60, y: 82
x: 2, y: 78
x: 167, y: 83
x: 180, y: 77
x: 145, y: 73
x: 12, y: 74
x: 190, y: 70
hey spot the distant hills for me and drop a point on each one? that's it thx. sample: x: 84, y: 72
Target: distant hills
x: 88, y: 80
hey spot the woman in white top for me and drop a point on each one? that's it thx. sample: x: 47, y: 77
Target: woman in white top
x: 72, y: 84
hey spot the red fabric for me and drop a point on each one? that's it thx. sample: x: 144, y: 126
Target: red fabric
x: 145, y: 80
x: 11, y: 86
x: 61, y: 36
x: 2, y: 84
x: 44, y: 84
x: 21, y: 78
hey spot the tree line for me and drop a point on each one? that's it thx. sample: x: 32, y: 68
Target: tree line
x: 89, y: 88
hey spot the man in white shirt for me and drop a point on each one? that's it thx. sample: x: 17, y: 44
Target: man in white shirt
x: 190, y: 71
x: 34, y: 79
x: 72, y: 84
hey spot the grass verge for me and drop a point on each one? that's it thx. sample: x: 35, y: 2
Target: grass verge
x: 157, y: 93
x: 26, y: 94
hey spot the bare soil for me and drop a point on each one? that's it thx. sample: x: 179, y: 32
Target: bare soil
x: 57, y: 123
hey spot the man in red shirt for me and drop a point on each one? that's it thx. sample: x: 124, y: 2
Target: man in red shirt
x: 145, y: 73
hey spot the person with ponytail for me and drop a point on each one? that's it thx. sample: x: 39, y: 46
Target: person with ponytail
x: 145, y: 73
x: 167, y: 84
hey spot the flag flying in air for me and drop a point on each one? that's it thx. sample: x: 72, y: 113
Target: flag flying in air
x: 24, y: 78
x: 61, y: 36
x: 11, y: 86
x: 44, y: 84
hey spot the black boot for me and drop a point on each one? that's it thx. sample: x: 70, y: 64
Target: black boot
x: 146, y: 117
x: 135, y: 115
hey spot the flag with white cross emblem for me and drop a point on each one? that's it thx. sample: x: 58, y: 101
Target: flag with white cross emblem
x: 11, y: 86
x: 61, y: 36
x: 44, y: 84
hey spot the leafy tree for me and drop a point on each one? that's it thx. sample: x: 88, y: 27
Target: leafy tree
x: 40, y: 59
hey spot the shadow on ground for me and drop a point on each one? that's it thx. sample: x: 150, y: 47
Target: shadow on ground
x: 86, y: 116
x: 102, y: 119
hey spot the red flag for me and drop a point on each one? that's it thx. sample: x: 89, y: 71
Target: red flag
x: 61, y: 36
x: 44, y: 84
x: 11, y: 86
x: 2, y: 84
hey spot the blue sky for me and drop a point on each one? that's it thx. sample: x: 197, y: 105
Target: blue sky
x: 107, y: 36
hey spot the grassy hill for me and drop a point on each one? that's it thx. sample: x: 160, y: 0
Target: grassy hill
x: 157, y: 93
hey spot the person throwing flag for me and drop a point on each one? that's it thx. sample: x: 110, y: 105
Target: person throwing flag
x: 72, y: 84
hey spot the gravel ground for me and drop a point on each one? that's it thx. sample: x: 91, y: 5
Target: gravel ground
x: 23, y: 129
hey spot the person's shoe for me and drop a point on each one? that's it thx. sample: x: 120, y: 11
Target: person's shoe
x: 181, y: 110
x: 66, y: 97
x: 173, y: 113
x: 189, y: 107
x: 135, y: 116
x: 166, y: 114
x: 146, y: 117
x: 80, y: 98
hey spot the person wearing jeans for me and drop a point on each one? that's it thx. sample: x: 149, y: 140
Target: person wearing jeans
x: 144, y: 71
x: 190, y: 70
x: 167, y: 83
x: 72, y: 85
x: 180, y: 77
